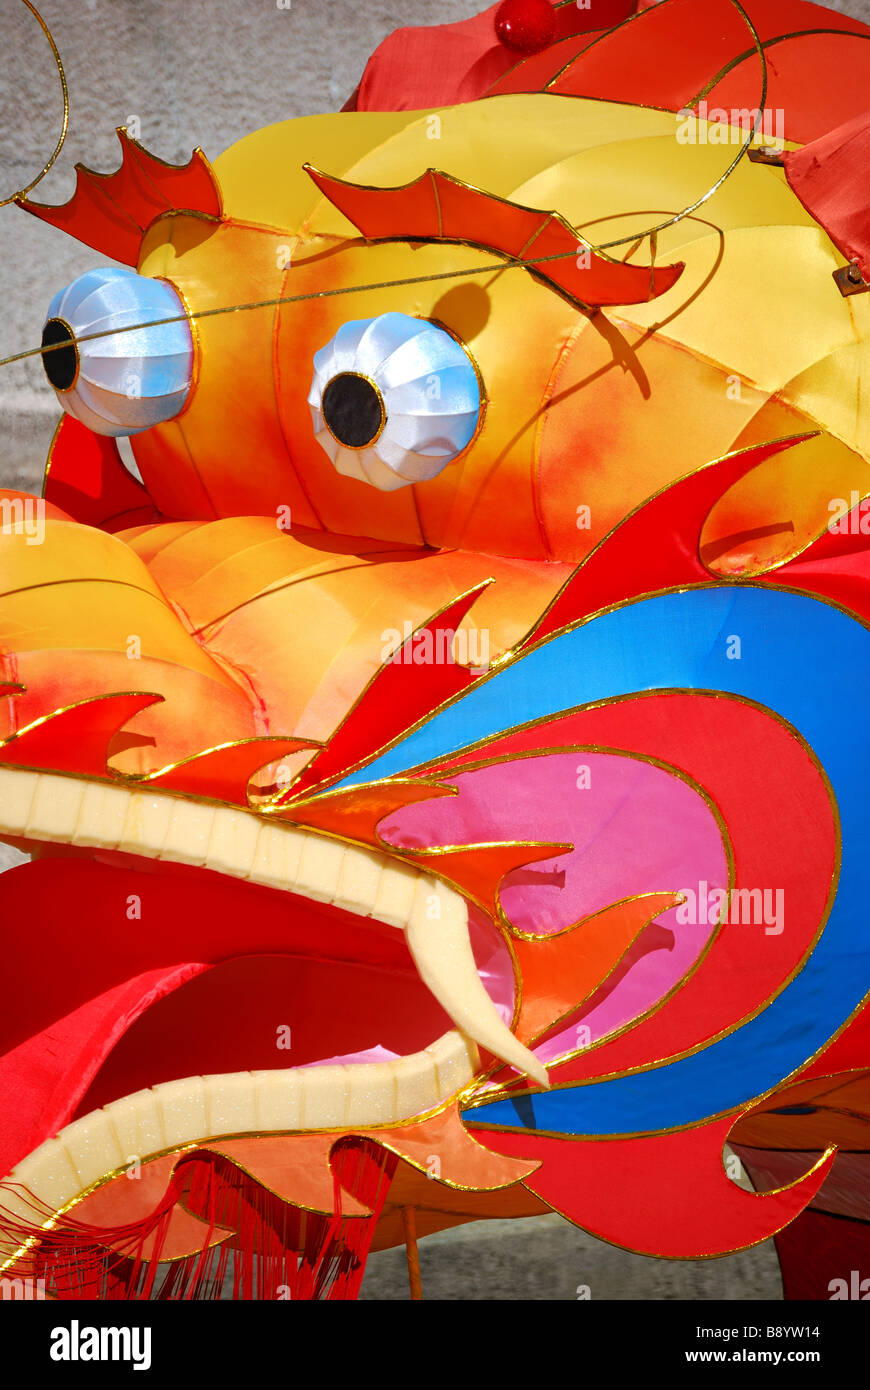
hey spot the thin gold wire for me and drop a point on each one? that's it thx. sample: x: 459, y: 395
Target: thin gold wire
x: 509, y: 262
x: 506, y: 263
x: 65, y: 124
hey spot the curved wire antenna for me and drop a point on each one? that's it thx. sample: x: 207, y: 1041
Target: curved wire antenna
x: 634, y: 239
x: 19, y: 193
x: 652, y: 232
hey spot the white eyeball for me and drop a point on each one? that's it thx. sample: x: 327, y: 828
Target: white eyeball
x: 393, y: 400
x: 122, y: 382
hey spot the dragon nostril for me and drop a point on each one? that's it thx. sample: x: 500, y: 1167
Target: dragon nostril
x: 62, y: 365
x: 353, y: 410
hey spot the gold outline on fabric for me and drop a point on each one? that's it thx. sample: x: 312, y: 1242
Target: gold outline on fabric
x: 128, y: 781
x: 670, y: 768
x: 466, y: 273
x: 629, y: 19
x: 654, y: 1064
x: 769, y: 43
x: 511, y: 930
x: 434, y: 173
x: 523, y: 646
x: 143, y: 778
x: 65, y: 709
x: 327, y: 782
x: 196, y: 344
x: 467, y: 896
x: 480, y: 1092
x: 716, y: 1255
x: 693, y: 207
x: 133, y: 782
x: 338, y: 1131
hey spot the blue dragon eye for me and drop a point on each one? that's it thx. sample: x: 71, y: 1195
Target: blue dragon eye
x: 394, y: 400
x: 119, y: 383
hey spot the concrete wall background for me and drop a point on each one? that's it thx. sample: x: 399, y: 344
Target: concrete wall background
x: 206, y: 72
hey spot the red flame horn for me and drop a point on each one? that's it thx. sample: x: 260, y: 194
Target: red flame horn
x: 438, y: 207
x: 111, y: 212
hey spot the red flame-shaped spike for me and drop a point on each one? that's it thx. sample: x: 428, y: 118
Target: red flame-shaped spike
x: 224, y: 772
x: 400, y: 694
x: 656, y: 546
x: 77, y: 739
x: 438, y: 207
x: 111, y: 212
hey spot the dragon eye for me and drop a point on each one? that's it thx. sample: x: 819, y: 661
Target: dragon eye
x: 125, y: 378
x: 62, y: 365
x: 353, y: 410
x: 393, y: 400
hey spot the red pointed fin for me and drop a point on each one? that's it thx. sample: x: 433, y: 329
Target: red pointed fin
x: 827, y: 175
x: 655, y: 547
x: 111, y: 212
x: 225, y: 772
x: 401, y: 693
x: 660, y: 1194
x: 355, y: 814
x: 558, y: 972
x: 478, y: 870
x: 436, y: 207
x: 78, y: 739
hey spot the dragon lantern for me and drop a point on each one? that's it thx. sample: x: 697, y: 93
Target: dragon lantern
x: 443, y: 770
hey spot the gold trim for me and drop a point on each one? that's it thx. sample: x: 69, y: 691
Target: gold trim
x: 50, y: 454
x: 326, y: 783
x: 434, y: 173
x: 339, y: 1131
x: 508, y: 926
x: 143, y: 778
x: 718, y: 1255
x: 525, y: 644
x: 653, y: 1064
x: 769, y: 43
x: 693, y: 207
x: 196, y: 345
x: 483, y: 398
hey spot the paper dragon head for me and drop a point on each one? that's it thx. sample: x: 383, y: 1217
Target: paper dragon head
x: 442, y: 771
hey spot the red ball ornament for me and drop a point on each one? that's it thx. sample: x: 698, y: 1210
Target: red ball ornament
x: 526, y: 26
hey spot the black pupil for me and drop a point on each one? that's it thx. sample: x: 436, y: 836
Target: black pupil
x: 352, y: 409
x: 62, y: 364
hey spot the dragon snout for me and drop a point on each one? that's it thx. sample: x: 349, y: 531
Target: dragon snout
x: 130, y: 362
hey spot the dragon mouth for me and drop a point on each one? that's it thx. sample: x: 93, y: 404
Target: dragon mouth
x: 376, y: 892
